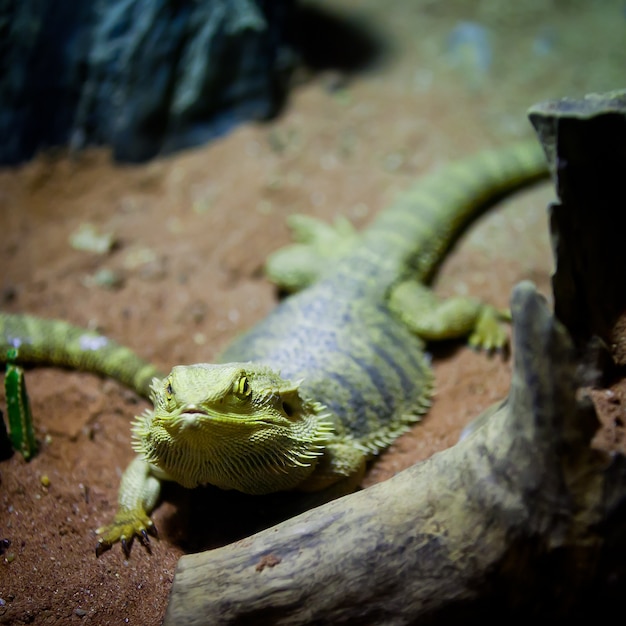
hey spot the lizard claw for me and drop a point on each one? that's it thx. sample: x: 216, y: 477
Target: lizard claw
x: 126, y: 525
x: 127, y: 545
x: 145, y: 540
x: 102, y: 547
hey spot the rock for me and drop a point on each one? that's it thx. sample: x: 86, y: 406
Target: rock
x: 144, y: 76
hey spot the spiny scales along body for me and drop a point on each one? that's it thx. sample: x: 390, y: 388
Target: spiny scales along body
x: 329, y: 378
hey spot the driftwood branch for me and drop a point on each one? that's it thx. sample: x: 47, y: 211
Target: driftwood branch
x: 522, y: 517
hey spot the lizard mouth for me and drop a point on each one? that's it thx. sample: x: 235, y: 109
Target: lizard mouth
x: 193, y: 410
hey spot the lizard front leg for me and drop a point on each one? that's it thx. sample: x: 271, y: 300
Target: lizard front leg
x: 339, y: 471
x: 137, y: 497
x: 433, y: 319
x: 318, y: 247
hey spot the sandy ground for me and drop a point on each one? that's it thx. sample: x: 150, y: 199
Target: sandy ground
x: 191, y: 233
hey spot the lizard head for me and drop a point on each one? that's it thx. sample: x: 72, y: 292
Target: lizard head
x: 237, y: 426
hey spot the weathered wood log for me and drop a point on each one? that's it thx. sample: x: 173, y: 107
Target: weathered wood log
x: 464, y: 525
x: 585, y: 141
x: 522, y: 517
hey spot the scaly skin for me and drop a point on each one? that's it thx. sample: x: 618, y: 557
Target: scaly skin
x: 333, y: 375
x: 55, y: 342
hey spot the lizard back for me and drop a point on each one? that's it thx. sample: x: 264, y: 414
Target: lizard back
x: 351, y: 353
x: 338, y: 335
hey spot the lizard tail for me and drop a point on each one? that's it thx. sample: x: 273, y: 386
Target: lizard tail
x: 53, y: 342
x: 418, y: 229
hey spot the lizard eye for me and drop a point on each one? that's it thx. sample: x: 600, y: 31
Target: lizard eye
x: 169, y: 391
x: 242, y: 387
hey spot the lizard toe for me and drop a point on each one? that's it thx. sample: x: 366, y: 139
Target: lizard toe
x: 126, y: 525
x: 489, y: 333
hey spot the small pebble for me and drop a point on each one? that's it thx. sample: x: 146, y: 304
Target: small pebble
x: 89, y: 239
x: 105, y: 278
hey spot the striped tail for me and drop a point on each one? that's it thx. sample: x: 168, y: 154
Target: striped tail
x: 418, y: 229
x: 53, y: 342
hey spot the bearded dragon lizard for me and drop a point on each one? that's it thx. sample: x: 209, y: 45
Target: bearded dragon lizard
x: 333, y: 375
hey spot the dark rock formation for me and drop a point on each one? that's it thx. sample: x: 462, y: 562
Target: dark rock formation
x: 144, y: 76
